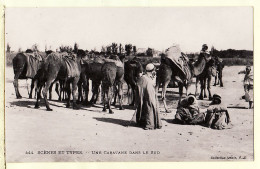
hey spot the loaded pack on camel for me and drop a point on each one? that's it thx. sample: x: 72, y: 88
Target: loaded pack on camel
x: 59, y: 66
x: 176, y: 66
x: 26, y: 65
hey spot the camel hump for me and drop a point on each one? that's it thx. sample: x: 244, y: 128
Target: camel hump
x: 114, y: 59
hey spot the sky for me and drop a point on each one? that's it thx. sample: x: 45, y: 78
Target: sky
x: 158, y: 28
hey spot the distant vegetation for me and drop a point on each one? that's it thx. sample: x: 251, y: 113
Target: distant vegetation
x: 229, y: 56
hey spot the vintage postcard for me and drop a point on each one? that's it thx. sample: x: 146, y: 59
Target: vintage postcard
x: 129, y: 84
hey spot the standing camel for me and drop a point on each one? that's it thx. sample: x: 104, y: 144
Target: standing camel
x: 133, y: 69
x: 92, y: 71
x: 26, y: 65
x: 113, y: 77
x: 205, y: 79
x: 58, y: 66
x: 168, y: 70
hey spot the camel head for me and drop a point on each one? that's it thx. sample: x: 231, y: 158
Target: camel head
x: 29, y: 51
x: 81, y: 53
x: 48, y: 52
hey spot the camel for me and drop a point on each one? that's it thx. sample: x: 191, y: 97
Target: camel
x: 112, y: 79
x: 92, y: 72
x: 205, y: 79
x: 133, y: 69
x: 26, y: 65
x: 168, y: 70
x: 57, y: 66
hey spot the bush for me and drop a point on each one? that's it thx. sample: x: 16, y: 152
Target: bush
x: 237, y: 61
x: 9, y: 58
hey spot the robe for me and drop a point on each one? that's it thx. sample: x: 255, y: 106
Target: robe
x: 147, y: 111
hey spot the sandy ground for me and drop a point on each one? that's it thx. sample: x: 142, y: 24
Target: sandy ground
x: 89, y: 134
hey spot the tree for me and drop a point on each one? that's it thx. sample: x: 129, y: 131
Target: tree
x: 114, y: 48
x: 20, y: 50
x: 134, y: 49
x: 128, y: 49
x: 103, y: 49
x: 65, y: 49
x: 149, y: 52
x: 8, y: 48
x: 76, y: 47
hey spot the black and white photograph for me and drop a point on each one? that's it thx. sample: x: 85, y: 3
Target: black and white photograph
x: 129, y: 84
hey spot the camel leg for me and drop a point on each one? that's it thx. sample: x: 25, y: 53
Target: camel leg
x: 120, y: 96
x: 50, y: 92
x: 220, y: 79
x: 94, y: 92
x: 204, y: 89
x: 80, y: 97
x: 98, y: 92
x: 61, y: 91
x: 110, y: 90
x: 105, y: 96
x: 57, y: 90
x: 180, y: 91
x: 38, y: 97
x: 133, y: 93
x: 35, y: 88
x: 74, y: 90
x: 44, y: 93
x: 115, y: 94
x: 163, y: 96
x: 196, y: 86
x: 16, y: 85
x: 68, y: 92
x: 32, y: 87
x: 208, y: 87
x: 202, y: 84
x: 63, y: 86
x: 86, y: 89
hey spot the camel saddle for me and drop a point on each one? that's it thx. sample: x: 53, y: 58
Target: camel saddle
x: 33, y: 60
x: 178, y: 58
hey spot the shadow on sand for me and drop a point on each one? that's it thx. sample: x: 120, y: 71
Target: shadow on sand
x: 120, y: 122
x: 31, y: 104
x: 23, y: 103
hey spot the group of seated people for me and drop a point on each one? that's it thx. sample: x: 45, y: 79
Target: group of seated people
x: 216, y: 116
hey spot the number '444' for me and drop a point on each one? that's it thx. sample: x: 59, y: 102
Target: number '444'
x: 29, y: 152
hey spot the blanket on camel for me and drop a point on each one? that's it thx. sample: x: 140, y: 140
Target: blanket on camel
x: 102, y: 60
x: 33, y: 64
x: 70, y: 61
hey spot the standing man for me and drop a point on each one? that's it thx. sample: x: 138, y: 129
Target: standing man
x: 204, y: 52
x: 248, y: 85
x: 147, y: 106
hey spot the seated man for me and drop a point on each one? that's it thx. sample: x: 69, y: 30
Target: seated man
x: 188, y: 111
x: 217, y: 114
